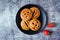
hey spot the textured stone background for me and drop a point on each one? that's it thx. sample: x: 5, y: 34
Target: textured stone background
x: 8, y: 11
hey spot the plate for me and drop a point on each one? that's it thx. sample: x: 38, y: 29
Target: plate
x: 42, y: 18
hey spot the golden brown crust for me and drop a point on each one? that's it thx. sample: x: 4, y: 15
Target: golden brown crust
x: 26, y: 14
x: 35, y: 24
x: 35, y: 12
x: 24, y: 25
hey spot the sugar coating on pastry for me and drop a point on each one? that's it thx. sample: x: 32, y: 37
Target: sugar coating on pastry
x: 35, y: 12
x: 26, y: 14
x: 24, y: 25
x: 34, y: 24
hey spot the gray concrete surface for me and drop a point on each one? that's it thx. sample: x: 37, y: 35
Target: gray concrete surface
x: 9, y: 9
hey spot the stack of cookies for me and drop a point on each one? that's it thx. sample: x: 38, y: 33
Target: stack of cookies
x: 30, y: 19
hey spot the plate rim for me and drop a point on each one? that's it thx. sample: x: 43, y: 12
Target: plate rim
x: 43, y: 17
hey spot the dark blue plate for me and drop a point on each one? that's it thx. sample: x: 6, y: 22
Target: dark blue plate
x: 42, y: 18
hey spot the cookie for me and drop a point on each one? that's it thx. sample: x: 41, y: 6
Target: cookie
x: 34, y: 24
x: 35, y: 12
x: 24, y: 25
x: 26, y: 14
